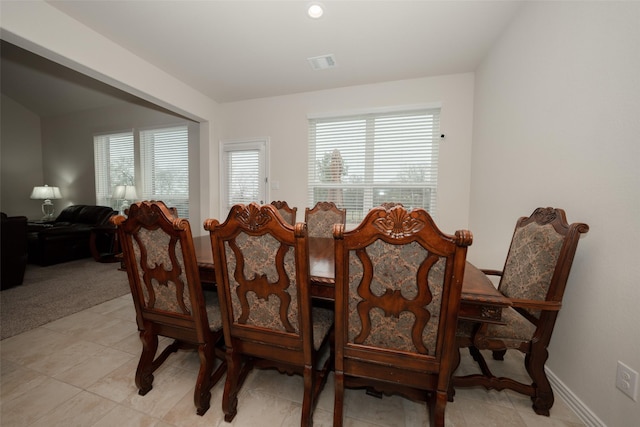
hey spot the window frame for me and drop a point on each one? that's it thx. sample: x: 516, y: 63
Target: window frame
x: 105, y: 183
x: 148, y: 170
x: 357, y: 129
x: 141, y: 174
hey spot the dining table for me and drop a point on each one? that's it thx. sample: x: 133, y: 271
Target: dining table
x: 480, y: 300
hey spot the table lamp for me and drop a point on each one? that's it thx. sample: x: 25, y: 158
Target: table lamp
x: 124, y: 193
x: 46, y: 193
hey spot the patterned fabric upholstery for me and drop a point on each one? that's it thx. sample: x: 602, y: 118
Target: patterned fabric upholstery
x: 516, y: 330
x: 288, y: 216
x: 286, y: 212
x: 259, y: 254
x: 320, y: 224
x: 395, y: 269
x: 322, y: 323
x: 513, y: 333
x: 531, y: 262
x: 321, y: 218
x: 171, y: 296
x: 213, y: 310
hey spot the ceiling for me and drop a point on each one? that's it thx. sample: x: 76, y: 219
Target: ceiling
x: 238, y: 50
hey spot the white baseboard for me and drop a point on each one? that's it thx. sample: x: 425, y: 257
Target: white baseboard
x: 582, y: 411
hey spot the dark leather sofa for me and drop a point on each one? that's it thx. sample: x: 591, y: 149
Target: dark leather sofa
x: 71, y: 235
x: 13, y: 233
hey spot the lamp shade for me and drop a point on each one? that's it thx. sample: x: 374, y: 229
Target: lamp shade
x: 46, y: 193
x: 124, y: 192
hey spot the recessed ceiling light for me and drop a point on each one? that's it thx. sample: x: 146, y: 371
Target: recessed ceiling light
x: 315, y: 10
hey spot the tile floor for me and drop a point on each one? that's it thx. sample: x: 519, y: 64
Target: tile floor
x: 79, y: 371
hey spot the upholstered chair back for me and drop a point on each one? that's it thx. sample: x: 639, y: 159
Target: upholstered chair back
x: 287, y: 212
x: 322, y: 216
x: 262, y: 273
x: 167, y: 293
x: 162, y: 267
x: 398, y: 289
x: 538, y: 253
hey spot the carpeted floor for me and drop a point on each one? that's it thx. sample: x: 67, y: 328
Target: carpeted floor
x: 49, y: 293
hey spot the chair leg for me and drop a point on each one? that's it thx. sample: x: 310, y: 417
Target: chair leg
x: 230, y: 397
x: 543, y: 394
x: 308, y: 397
x: 437, y: 403
x: 202, y: 395
x: 144, y: 372
x: 454, y: 366
x: 338, y: 399
x: 499, y: 354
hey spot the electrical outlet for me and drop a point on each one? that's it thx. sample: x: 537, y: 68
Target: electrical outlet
x: 627, y: 381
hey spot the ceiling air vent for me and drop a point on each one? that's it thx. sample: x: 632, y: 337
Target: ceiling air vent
x: 322, y: 62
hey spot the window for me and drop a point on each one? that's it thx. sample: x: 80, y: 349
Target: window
x: 156, y: 162
x: 114, y: 165
x: 243, y: 168
x: 361, y: 161
x: 165, y: 167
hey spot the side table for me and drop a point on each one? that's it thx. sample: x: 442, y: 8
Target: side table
x: 104, y: 244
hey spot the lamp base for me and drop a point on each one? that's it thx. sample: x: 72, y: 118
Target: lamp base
x: 124, y: 208
x: 48, y: 210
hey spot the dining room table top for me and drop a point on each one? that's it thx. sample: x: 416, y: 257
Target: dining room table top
x: 479, y: 294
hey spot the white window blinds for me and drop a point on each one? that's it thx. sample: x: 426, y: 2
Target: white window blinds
x: 114, y: 165
x: 165, y: 167
x: 362, y: 161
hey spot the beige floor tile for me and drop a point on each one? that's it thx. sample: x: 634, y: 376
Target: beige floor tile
x: 386, y: 411
x: 93, y: 327
x: 34, y: 343
x: 183, y: 414
x: 352, y: 422
x: 454, y: 415
x: 258, y: 409
x: 122, y: 416
x: 170, y: 385
x: 130, y: 343
x: 482, y: 414
x: 16, y: 380
x: 86, y: 373
x: 63, y: 357
x: 283, y: 386
x: 534, y: 420
x: 114, y: 306
x: 28, y: 407
x: 83, y: 409
x: 118, y: 384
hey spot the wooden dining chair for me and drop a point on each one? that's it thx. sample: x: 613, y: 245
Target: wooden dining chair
x: 398, y: 287
x: 168, y: 297
x: 288, y: 213
x: 534, y: 278
x: 262, y: 273
x: 322, y: 216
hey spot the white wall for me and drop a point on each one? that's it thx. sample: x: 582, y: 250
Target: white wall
x: 557, y: 107
x: 21, y: 160
x: 284, y: 120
